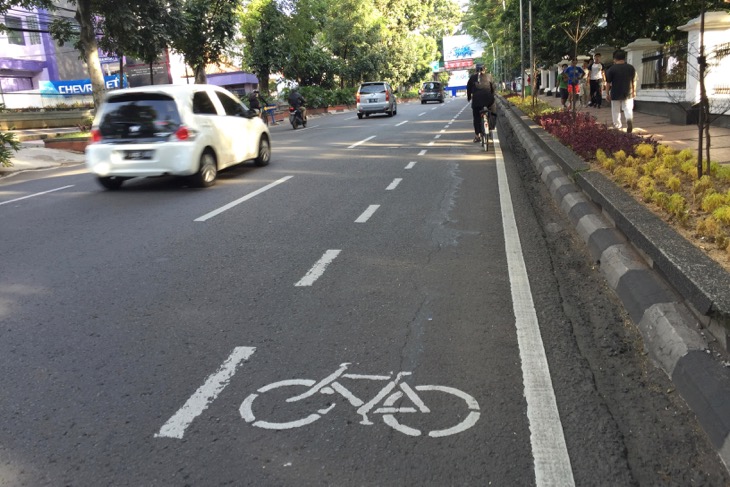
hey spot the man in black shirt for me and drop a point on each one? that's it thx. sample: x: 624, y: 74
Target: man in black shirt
x: 621, y: 90
x: 480, y: 91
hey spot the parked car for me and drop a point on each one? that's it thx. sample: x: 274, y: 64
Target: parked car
x: 431, y: 91
x: 376, y: 97
x: 180, y: 130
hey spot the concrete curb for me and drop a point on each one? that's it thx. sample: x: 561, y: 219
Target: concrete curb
x: 622, y: 237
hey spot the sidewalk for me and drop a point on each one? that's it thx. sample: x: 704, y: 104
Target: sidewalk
x: 677, y: 136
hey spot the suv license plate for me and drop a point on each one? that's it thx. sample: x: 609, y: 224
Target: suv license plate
x: 138, y: 155
x: 373, y: 100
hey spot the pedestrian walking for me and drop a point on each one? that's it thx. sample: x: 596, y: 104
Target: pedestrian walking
x: 562, y: 82
x: 621, y: 90
x: 597, y: 79
x: 574, y: 74
x: 585, y: 85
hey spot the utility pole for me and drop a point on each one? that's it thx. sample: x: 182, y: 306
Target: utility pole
x: 522, y: 53
x: 702, y: 65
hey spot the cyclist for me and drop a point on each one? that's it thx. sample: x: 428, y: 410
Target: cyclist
x: 480, y: 91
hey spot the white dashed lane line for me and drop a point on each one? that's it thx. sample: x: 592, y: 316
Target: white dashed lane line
x: 36, y: 194
x: 318, y: 269
x: 367, y: 214
x: 394, y: 184
x: 361, y: 142
x: 410, y: 165
x: 230, y: 205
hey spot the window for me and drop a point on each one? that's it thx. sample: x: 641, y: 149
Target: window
x: 15, y: 34
x: 11, y: 84
x: 34, y: 37
x: 231, y: 106
x: 202, y: 104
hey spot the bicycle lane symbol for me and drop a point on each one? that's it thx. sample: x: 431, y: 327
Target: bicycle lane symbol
x: 394, y: 390
x: 383, y: 403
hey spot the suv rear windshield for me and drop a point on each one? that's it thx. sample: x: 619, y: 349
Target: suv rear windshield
x: 139, y: 116
x: 431, y: 86
x: 373, y: 88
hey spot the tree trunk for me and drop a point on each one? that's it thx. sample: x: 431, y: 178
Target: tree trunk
x: 85, y: 17
x: 200, y: 78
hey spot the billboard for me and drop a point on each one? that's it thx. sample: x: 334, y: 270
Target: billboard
x: 75, y: 87
x: 461, y: 47
x: 458, y: 79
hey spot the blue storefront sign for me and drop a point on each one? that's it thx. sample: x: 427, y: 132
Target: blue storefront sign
x: 75, y: 87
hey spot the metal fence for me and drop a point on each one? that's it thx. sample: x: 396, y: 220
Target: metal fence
x: 665, y: 67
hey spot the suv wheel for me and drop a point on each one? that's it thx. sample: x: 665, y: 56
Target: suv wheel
x: 359, y: 115
x: 111, y: 182
x: 207, y: 172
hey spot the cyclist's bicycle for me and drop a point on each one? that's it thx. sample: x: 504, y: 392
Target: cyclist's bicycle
x: 489, y: 120
x: 389, y: 398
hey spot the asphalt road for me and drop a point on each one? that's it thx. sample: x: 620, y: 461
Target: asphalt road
x: 162, y: 335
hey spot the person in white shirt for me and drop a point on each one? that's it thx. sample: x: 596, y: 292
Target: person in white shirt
x: 597, y: 79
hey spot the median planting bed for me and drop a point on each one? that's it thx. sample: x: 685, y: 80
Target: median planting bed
x: 664, y: 180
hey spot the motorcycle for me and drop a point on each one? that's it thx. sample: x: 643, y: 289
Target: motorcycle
x: 295, y: 118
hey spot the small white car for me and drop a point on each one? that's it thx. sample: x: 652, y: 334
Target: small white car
x: 179, y: 130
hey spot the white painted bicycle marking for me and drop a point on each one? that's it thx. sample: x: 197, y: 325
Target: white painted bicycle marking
x: 197, y: 403
x: 394, y: 391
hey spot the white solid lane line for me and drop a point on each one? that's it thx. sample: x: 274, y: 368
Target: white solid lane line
x: 361, y: 142
x: 367, y: 214
x: 394, y: 184
x: 36, y: 194
x: 201, y: 399
x: 552, y: 463
x: 230, y: 205
x: 318, y: 269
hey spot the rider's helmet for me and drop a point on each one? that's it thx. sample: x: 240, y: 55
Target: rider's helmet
x: 480, y: 67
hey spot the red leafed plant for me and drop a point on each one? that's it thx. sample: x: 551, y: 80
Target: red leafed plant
x: 585, y: 136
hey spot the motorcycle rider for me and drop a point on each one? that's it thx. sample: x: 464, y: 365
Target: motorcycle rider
x: 297, y: 101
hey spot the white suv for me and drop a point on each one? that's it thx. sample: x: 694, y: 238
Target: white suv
x: 179, y: 130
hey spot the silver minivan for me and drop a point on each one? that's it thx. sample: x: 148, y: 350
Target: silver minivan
x: 376, y: 97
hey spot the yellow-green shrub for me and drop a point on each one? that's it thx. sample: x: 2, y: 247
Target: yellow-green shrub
x: 713, y: 201
x: 702, y: 186
x: 674, y: 183
x: 677, y: 207
x: 708, y: 227
x: 661, y: 199
x: 645, y: 151
x: 645, y: 185
x: 620, y: 157
x: 722, y: 214
x: 686, y: 155
x: 628, y: 176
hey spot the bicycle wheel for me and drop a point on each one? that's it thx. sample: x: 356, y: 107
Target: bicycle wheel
x: 247, y: 414
x: 469, y: 421
x: 484, y: 134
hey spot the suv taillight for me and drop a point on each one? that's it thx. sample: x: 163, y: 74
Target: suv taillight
x: 357, y: 97
x: 95, y: 136
x: 387, y: 96
x: 182, y: 133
